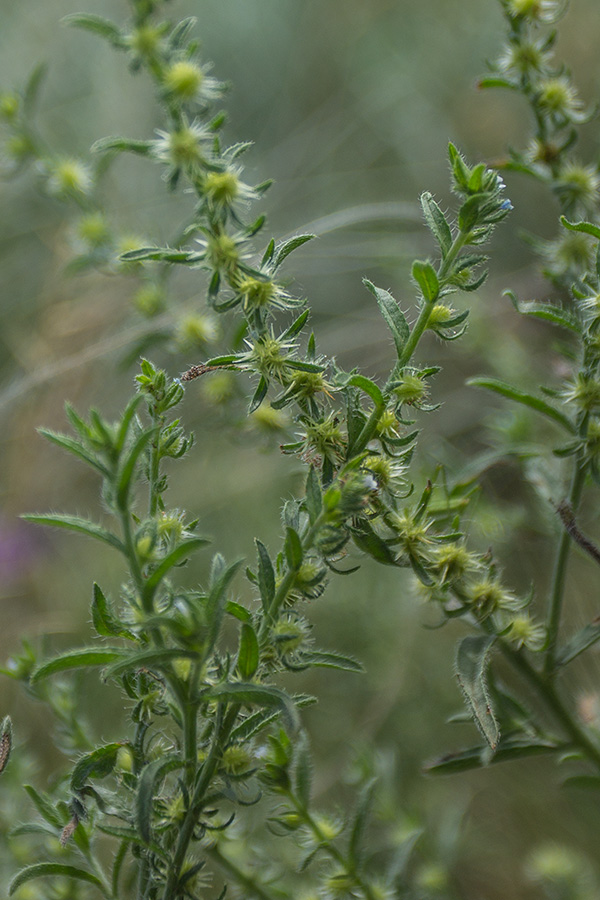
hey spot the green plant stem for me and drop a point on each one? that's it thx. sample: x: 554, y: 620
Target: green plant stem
x: 333, y: 851
x: 415, y: 336
x: 560, y: 573
x: 244, y: 880
x: 190, y: 734
x: 209, y: 766
x: 154, y: 467
x: 420, y: 325
x: 547, y: 692
x: 368, y: 431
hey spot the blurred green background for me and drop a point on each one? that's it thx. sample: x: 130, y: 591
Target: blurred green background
x: 350, y: 103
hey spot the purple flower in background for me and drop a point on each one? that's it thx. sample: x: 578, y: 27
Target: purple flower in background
x: 19, y: 547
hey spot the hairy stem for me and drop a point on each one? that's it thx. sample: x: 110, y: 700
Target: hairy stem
x: 560, y: 573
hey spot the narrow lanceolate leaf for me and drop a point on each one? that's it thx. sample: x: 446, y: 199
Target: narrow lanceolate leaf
x: 367, y: 540
x: 73, y: 446
x: 302, y: 771
x: 128, y: 465
x: 472, y: 659
x: 77, y: 659
x: 369, y: 387
x: 549, y: 312
x: 248, y: 654
x: 259, y: 395
x: 44, y: 806
x: 97, y: 25
x: 294, y: 552
x: 104, y: 621
x: 266, y: 577
x: 324, y: 660
x: 148, y: 659
x: 426, y: 277
x: 61, y: 870
x: 512, y: 393
x: 74, y: 523
x: 257, y: 721
x: 288, y: 247
x: 97, y: 764
x: 124, y: 145
x: 150, y: 779
x: 256, y: 695
x: 161, y: 254
x: 392, y: 314
x: 216, y: 602
x: 436, y: 222
x: 585, y: 638
x: 585, y: 227
x: 476, y: 757
x: 181, y: 552
x: 356, y: 848
x: 313, y: 499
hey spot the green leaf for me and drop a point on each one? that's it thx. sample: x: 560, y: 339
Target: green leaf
x: 356, y: 847
x: 104, y: 622
x: 392, y: 314
x: 74, y: 523
x: 97, y: 764
x: 161, y: 254
x: 216, y: 602
x: 512, y: 393
x: 238, y: 611
x: 476, y: 757
x: 32, y: 87
x: 181, y: 552
x: 557, y: 315
x: 314, y: 499
x: 259, y: 395
x: 131, y: 836
x: 248, y: 653
x: 584, y: 227
x: 426, y: 277
x: 124, y: 145
x: 266, y: 577
x: 436, y: 222
x: 496, y: 81
x: 97, y: 25
x: 151, y: 776
x: 256, y: 695
x: 472, y: 660
x: 284, y: 250
x: 73, y: 446
x: 585, y: 638
x: 327, y: 660
x: 40, y: 870
x: 470, y: 211
x: 127, y: 466
x: 160, y: 659
x: 294, y: 552
x: 296, y: 326
x: 127, y: 416
x: 369, y: 387
x: 367, y: 540
x: 181, y: 31
x: 77, y: 659
x: 584, y: 782
x: 45, y: 807
x: 259, y: 720
x: 302, y: 770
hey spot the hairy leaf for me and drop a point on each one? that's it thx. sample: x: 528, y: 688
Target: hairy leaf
x: 392, y: 314
x: 472, y: 660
